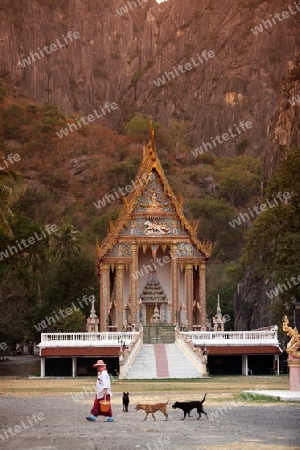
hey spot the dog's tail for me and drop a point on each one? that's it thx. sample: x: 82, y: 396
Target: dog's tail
x: 204, y: 397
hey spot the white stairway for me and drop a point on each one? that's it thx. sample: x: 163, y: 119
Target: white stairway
x: 161, y: 361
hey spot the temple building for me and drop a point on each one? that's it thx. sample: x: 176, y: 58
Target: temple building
x: 152, y: 314
x: 151, y: 258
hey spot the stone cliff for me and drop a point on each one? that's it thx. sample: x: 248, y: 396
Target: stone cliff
x: 119, y: 56
x: 252, y: 305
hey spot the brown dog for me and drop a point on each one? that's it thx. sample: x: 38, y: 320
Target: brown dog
x: 151, y: 409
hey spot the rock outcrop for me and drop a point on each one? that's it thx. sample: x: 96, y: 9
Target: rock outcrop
x: 253, y: 307
x: 118, y: 56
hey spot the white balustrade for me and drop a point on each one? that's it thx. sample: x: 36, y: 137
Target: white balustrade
x: 267, y: 337
x: 112, y: 339
x: 232, y: 337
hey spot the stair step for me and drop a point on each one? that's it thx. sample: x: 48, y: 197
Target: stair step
x: 161, y: 361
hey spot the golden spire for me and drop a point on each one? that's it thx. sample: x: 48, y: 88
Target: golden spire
x: 152, y: 135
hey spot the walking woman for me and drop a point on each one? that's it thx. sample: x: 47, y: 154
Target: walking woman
x: 103, y: 392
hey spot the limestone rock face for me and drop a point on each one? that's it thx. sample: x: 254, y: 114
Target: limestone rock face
x: 118, y: 56
x: 284, y: 125
x: 251, y: 304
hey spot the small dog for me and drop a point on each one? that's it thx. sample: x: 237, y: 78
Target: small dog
x: 188, y: 406
x: 125, y: 401
x: 151, y: 409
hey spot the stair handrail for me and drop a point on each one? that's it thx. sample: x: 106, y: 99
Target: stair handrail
x: 128, y: 354
x: 194, y: 353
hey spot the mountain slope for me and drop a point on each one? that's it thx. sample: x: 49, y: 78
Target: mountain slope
x: 118, y: 58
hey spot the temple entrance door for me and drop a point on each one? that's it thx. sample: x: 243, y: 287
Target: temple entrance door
x: 159, y: 333
x: 149, y: 313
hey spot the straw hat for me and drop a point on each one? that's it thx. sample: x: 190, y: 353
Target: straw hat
x: 99, y: 363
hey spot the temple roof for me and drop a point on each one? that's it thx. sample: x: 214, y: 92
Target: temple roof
x: 150, y: 164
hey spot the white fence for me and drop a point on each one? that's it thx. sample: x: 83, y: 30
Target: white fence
x: 210, y: 338
x: 108, y: 339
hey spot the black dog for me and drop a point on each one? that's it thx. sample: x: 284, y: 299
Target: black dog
x: 188, y: 406
x: 125, y: 401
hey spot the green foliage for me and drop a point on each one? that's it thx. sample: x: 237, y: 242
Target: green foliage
x: 67, y: 281
x: 65, y: 243
x: 51, y: 117
x: 241, y: 163
x: 222, y: 279
x: 273, y: 242
x: 67, y: 320
x: 258, y: 397
x: 242, y: 145
x: 241, y: 178
x: 55, y: 181
x: 139, y: 125
x: 214, y: 215
x: 100, y: 225
x: 121, y: 175
x: 238, y: 187
x: 11, y: 187
x: 32, y: 109
x: 19, y: 278
x: 14, y: 309
x: 206, y: 158
x: 14, y: 118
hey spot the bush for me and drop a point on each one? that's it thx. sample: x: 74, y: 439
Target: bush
x: 238, y: 187
x: 139, y: 125
x: 32, y: 109
x: 214, y: 215
x: 206, y: 158
x: 51, y: 116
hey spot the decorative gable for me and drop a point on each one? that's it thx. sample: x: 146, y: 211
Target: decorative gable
x: 151, y: 210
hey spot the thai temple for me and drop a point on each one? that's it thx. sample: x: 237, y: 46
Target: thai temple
x: 152, y: 256
x: 152, y: 306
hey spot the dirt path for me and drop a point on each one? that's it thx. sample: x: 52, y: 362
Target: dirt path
x: 58, y: 423
x: 50, y: 416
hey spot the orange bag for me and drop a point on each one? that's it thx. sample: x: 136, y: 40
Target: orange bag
x: 104, y: 405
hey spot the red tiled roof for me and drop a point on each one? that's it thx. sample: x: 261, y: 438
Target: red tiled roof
x: 81, y: 351
x: 242, y: 350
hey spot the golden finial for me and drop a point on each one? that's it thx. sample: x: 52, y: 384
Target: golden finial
x: 152, y: 136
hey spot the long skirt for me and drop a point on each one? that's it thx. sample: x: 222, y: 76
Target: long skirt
x: 96, y: 408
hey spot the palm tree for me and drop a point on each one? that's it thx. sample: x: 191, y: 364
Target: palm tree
x: 66, y: 242
x: 11, y: 187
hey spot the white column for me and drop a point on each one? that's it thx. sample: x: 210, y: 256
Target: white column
x: 43, y: 367
x: 74, y: 366
x: 245, y: 365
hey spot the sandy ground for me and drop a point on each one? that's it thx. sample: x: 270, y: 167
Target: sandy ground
x: 58, y: 422
x: 49, y: 414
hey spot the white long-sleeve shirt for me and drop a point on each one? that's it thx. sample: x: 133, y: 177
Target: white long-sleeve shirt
x: 103, y: 382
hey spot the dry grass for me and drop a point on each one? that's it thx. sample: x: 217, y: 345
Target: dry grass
x: 218, y: 387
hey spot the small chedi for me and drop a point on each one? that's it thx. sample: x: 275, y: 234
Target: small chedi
x: 92, y: 323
